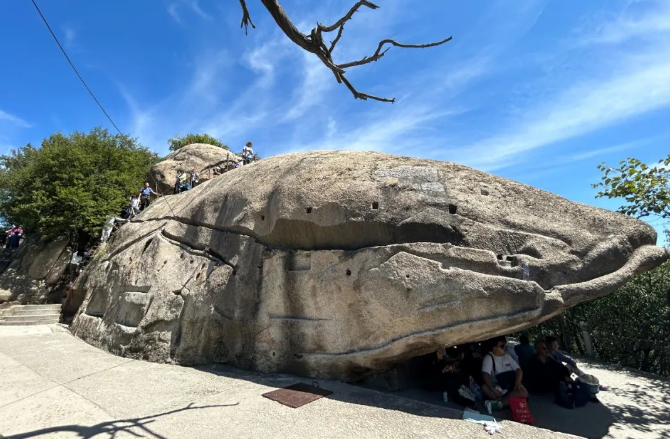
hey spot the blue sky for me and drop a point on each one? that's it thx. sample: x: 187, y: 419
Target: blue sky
x: 537, y: 91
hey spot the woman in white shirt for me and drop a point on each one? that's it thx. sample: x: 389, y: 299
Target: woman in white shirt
x: 502, y: 376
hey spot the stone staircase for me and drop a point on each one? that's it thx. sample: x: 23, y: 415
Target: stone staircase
x: 18, y: 315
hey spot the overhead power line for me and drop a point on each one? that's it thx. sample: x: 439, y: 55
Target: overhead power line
x: 73, y: 67
x: 89, y: 90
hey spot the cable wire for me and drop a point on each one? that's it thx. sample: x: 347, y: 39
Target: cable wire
x: 89, y: 90
x: 73, y: 67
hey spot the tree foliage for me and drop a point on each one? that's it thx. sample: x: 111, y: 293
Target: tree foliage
x: 69, y: 185
x: 630, y: 327
x: 178, y: 142
x: 645, y: 189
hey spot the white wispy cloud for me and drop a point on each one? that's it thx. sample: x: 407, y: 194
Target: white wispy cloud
x: 14, y: 120
x: 70, y: 35
x: 625, y: 86
x: 317, y: 80
x: 640, y: 19
x: 174, y: 7
x: 172, y: 10
x: 195, y: 7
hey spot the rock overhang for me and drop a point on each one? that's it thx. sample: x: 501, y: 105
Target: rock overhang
x: 336, y: 264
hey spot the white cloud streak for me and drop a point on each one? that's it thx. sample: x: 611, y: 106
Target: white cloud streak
x: 626, y: 86
x: 14, y: 120
x: 172, y: 10
x: 582, y: 109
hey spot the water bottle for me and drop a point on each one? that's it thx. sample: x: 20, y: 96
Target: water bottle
x: 525, y: 271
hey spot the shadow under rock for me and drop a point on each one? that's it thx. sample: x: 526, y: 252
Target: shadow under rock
x: 112, y: 428
x: 341, y: 392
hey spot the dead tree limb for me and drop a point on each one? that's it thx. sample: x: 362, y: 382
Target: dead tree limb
x: 314, y: 42
x: 246, y: 18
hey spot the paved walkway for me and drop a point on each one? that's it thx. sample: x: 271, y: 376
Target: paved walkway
x: 54, y: 385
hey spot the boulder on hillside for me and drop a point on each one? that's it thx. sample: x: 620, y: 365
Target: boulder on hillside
x: 35, y: 268
x: 340, y: 264
x: 199, y: 156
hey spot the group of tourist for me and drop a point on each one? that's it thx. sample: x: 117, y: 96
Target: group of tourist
x: 183, y: 182
x: 12, y: 238
x: 493, y: 373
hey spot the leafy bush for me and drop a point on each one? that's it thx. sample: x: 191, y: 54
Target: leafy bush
x: 178, y: 142
x: 69, y: 185
x: 630, y: 327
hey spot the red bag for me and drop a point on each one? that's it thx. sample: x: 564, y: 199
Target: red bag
x: 521, y: 411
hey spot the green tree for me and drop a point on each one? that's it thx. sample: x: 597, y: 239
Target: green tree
x: 178, y: 142
x: 645, y: 189
x: 69, y: 185
x: 630, y: 327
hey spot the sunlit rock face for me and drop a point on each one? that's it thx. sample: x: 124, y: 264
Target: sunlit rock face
x: 340, y: 264
x: 33, y: 273
x: 200, y: 157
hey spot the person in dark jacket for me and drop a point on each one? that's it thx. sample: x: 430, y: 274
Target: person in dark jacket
x: 542, y: 373
x: 524, y: 351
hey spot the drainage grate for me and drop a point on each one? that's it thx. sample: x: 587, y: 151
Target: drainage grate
x: 297, y: 395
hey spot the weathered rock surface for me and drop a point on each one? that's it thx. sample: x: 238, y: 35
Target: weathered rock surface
x: 34, y: 269
x: 339, y: 264
x: 199, y: 156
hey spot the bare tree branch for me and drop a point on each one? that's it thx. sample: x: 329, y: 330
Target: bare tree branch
x: 378, y: 53
x: 348, y: 16
x: 314, y: 42
x: 246, y: 18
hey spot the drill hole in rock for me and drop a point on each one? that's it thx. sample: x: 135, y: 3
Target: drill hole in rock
x: 375, y: 204
x: 348, y: 272
x: 453, y: 209
x: 308, y: 210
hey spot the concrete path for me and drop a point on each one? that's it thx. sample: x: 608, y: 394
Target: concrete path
x: 54, y: 385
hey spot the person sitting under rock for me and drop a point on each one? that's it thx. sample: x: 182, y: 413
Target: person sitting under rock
x: 440, y: 372
x: 524, y: 351
x: 145, y: 196
x: 543, y: 374
x: 552, y: 344
x: 502, y: 376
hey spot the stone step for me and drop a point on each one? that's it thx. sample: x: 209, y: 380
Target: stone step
x: 37, y: 319
x: 54, y: 306
x: 26, y: 311
x: 3, y: 323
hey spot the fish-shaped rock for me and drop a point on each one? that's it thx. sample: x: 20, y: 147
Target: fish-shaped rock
x: 339, y: 264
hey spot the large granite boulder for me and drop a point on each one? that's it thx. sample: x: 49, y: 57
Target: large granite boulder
x: 340, y: 264
x: 33, y: 270
x: 199, y: 156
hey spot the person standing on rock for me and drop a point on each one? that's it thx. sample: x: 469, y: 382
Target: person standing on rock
x: 145, y: 196
x: 195, y: 178
x: 134, y: 205
x: 108, y: 227
x: 15, y: 235
x: 181, y: 183
x: 248, y: 153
